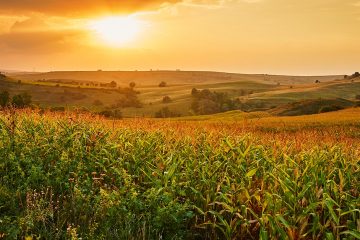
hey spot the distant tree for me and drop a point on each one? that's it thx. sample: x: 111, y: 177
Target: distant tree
x: 132, y: 85
x: 2, y: 75
x: 194, y: 92
x: 112, y: 84
x: 357, y: 97
x: 115, y: 114
x: 346, y: 76
x: 166, y: 99
x: 356, y: 74
x: 317, y: 81
x: 21, y: 100
x: 165, y: 112
x: 19, y: 81
x: 4, y: 98
x: 162, y: 84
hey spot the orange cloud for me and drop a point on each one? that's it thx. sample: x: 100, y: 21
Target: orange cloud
x: 78, y: 7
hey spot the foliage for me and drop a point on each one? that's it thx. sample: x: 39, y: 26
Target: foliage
x: 165, y: 112
x: 330, y: 108
x: 163, y: 84
x: 4, y: 98
x: 115, y: 114
x: 75, y: 177
x: 132, y: 85
x: 166, y: 99
x: 355, y: 75
x: 207, y: 102
x: 21, y: 100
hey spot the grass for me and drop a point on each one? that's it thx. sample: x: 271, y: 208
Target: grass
x: 266, y: 92
x: 72, y: 176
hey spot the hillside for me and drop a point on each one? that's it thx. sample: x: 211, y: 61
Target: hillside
x: 153, y: 78
x: 256, y: 92
x: 306, y: 107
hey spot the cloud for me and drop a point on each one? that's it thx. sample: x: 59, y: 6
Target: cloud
x: 39, y: 42
x: 35, y: 35
x: 78, y: 8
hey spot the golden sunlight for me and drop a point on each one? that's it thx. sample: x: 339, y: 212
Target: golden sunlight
x: 116, y: 31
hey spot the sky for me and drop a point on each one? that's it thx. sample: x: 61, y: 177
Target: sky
x: 307, y: 37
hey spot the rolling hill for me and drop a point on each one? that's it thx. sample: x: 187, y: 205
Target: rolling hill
x: 257, y: 92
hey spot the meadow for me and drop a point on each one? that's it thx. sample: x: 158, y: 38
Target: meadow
x: 233, y: 175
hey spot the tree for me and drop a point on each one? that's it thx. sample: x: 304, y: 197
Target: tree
x: 166, y: 99
x: 132, y: 85
x: 113, y: 84
x: 4, y: 98
x: 165, y: 112
x: 194, y: 92
x: 21, y: 100
x: 317, y: 81
x: 162, y: 84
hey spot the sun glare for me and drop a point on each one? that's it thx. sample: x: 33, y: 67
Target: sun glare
x: 116, y: 31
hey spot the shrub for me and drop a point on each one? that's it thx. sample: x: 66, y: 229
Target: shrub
x: 115, y: 114
x: 21, y: 100
x: 165, y: 112
x: 132, y: 85
x: 167, y: 99
x: 4, y: 98
x: 162, y: 84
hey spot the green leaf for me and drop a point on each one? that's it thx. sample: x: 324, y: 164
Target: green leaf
x: 251, y: 172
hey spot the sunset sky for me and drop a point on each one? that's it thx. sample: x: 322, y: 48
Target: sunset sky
x: 306, y: 37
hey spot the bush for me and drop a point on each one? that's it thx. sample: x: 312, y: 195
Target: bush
x: 162, y: 84
x: 166, y: 99
x: 207, y: 102
x: 115, y: 114
x: 165, y: 112
x: 357, y: 97
x: 21, y: 100
x: 132, y: 85
x: 4, y: 98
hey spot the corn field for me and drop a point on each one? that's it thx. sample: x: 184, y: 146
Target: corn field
x: 68, y: 176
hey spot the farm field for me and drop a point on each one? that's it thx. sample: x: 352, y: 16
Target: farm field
x: 232, y: 175
x: 256, y: 92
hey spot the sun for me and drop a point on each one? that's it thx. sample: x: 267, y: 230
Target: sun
x: 116, y: 31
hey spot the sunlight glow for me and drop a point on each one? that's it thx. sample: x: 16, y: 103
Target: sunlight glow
x: 116, y: 31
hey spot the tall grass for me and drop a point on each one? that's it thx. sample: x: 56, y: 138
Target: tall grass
x: 72, y: 177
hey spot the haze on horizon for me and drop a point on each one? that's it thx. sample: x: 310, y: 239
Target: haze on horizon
x: 308, y: 37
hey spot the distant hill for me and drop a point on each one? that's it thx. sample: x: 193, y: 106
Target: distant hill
x: 151, y: 78
x: 280, y: 95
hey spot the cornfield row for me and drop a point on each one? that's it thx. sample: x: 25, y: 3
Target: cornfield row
x: 86, y: 178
